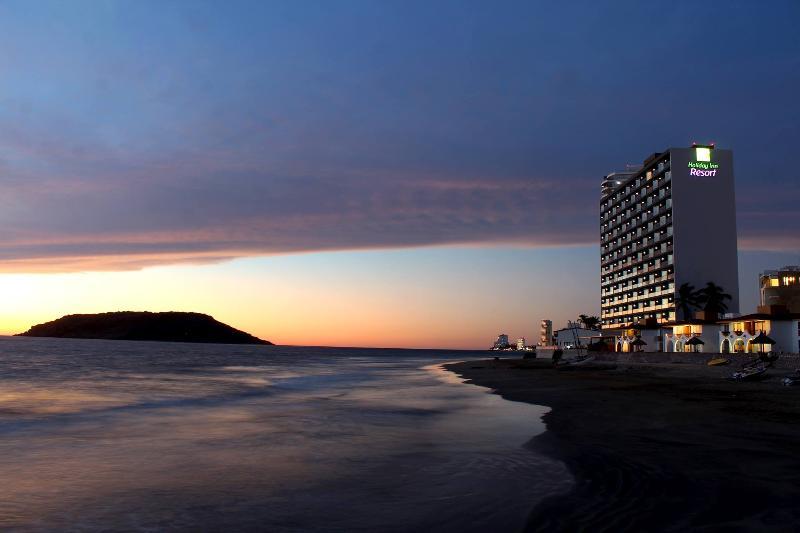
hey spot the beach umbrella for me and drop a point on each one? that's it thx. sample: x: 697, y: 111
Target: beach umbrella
x: 761, y: 339
x: 638, y: 343
x: 694, y: 342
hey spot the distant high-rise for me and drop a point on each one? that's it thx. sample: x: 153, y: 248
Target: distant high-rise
x: 781, y: 287
x: 546, y: 333
x: 502, y: 341
x: 671, y: 222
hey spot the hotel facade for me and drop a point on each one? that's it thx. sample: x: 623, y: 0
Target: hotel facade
x: 671, y: 222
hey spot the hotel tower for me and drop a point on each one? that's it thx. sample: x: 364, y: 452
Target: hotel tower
x: 671, y: 222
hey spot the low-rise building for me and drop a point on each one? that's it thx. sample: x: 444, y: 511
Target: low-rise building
x: 631, y: 339
x: 521, y: 343
x: 740, y: 334
x: 573, y: 336
x: 678, y: 336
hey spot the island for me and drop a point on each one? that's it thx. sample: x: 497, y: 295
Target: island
x: 144, y: 326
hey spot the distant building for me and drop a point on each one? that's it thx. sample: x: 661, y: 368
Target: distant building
x: 546, y: 333
x: 671, y: 222
x: 521, y: 343
x: 781, y: 287
x: 502, y: 341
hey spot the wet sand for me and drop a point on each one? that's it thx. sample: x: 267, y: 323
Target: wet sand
x: 660, y: 447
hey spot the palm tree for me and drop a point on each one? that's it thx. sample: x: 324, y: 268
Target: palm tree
x: 712, y: 297
x: 592, y: 322
x: 589, y: 322
x: 687, y: 299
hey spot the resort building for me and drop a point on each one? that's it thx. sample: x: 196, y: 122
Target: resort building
x: 693, y: 335
x: 546, y: 333
x: 781, y: 287
x: 645, y: 337
x: 741, y: 334
x: 521, y: 343
x: 671, y: 222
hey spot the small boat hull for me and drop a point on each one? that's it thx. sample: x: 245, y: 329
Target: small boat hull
x: 577, y: 361
x: 719, y: 361
x: 750, y: 374
x: 792, y: 379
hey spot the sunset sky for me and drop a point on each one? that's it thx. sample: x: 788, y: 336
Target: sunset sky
x: 419, y: 174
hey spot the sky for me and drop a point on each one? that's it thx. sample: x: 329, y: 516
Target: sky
x: 419, y: 174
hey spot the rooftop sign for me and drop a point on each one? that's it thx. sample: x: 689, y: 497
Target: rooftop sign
x: 702, y: 165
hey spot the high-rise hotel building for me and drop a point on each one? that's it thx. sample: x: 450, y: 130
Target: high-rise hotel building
x: 671, y: 222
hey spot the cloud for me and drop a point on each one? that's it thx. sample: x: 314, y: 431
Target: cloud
x: 128, y: 140
x: 201, y: 215
x: 70, y: 205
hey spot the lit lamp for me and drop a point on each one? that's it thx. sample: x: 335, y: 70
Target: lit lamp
x: 702, y: 153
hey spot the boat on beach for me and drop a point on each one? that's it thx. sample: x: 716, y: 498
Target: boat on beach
x: 792, y: 379
x: 578, y: 360
x: 750, y: 373
x: 719, y: 361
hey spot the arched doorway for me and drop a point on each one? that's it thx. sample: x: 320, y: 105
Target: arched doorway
x: 619, y: 346
x: 726, y: 346
x: 738, y: 346
x: 678, y: 346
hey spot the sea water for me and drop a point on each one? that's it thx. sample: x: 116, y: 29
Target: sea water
x: 105, y: 435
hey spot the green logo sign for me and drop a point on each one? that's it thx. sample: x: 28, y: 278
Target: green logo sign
x: 702, y: 165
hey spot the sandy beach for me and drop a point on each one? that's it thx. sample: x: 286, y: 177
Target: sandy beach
x: 670, y: 447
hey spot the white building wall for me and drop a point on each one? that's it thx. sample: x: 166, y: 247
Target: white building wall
x: 784, y: 333
x: 569, y: 337
x: 675, y: 341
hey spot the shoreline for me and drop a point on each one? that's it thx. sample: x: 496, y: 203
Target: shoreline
x: 659, y: 446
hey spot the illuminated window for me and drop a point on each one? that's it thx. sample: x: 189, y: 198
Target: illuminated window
x: 774, y: 282
x: 702, y: 154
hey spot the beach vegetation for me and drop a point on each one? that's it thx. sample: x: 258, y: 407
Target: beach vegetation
x: 712, y: 297
x: 589, y: 322
x: 688, y: 298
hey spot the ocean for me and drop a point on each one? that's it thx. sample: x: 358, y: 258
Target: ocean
x: 146, y: 436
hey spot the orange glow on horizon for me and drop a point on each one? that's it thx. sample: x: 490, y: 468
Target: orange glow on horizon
x: 415, y: 298
x: 316, y: 312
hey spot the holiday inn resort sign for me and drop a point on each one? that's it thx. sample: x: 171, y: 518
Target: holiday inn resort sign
x: 702, y: 166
